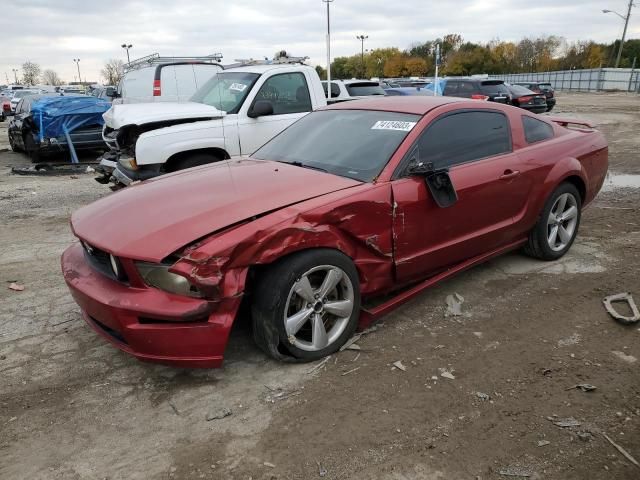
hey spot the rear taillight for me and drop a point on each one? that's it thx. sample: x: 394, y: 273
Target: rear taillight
x: 479, y: 97
x: 156, y: 88
x: 6, y: 106
x: 525, y: 99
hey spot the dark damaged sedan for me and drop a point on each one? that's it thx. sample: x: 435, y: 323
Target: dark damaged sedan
x: 343, y: 216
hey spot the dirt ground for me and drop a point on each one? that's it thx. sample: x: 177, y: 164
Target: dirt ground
x: 73, y: 407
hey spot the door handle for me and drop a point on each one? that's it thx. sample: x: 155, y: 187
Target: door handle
x: 509, y: 174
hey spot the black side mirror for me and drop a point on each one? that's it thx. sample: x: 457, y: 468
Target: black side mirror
x: 111, y: 92
x: 261, y: 108
x: 438, y: 182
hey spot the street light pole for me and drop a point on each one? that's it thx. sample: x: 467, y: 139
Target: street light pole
x: 624, y: 32
x: 127, y: 47
x: 77, y: 62
x: 328, y: 50
x: 362, y: 38
x: 15, y: 74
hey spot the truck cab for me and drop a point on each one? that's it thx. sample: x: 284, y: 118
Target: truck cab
x: 233, y: 114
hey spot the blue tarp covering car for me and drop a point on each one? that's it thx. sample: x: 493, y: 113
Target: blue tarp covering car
x: 46, y: 124
x: 57, y: 116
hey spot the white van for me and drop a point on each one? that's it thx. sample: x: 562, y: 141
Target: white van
x: 165, y: 79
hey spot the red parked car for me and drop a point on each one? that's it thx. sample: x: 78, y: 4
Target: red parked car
x: 349, y: 212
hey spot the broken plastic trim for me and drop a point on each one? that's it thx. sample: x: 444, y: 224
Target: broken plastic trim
x: 622, y: 297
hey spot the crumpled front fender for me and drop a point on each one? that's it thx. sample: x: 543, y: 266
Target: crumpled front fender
x: 358, y: 225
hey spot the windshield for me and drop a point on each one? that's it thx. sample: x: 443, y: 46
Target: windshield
x: 350, y: 143
x: 520, y: 90
x: 545, y: 87
x: 23, y: 93
x: 493, y: 88
x: 226, y: 91
x: 362, y: 89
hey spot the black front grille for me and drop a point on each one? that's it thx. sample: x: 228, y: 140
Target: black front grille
x: 99, y: 259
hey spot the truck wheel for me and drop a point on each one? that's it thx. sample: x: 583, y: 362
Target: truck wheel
x: 193, y: 160
x: 306, y: 306
x: 558, y: 224
x: 31, y: 148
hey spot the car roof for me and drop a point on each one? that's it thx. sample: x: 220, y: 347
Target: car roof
x: 414, y: 104
x: 263, y: 68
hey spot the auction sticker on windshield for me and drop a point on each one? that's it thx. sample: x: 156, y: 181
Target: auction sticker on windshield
x: 238, y: 87
x: 393, y: 125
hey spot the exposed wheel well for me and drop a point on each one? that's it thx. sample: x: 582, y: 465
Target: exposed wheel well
x: 175, y: 158
x: 579, y: 184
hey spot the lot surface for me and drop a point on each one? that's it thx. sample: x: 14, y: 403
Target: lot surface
x: 72, y: 407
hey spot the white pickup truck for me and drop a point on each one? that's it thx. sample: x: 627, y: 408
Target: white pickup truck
x: 234, y: 113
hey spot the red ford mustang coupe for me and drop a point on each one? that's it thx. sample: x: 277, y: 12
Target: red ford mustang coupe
x: 344, y: 215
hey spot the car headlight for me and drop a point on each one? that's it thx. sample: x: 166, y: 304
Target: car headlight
x: 128, y: 162
x: 158, y: 275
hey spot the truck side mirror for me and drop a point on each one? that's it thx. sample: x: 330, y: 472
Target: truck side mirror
x: 111, y: 92
x: 261, y: 108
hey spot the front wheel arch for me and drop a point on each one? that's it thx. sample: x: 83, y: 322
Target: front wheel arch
x: 175, y: 159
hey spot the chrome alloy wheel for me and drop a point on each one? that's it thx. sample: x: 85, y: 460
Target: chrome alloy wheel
x: 562, y: 221
x: 318, y: 308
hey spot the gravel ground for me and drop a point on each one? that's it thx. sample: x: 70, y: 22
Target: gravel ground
x: 72, y: 407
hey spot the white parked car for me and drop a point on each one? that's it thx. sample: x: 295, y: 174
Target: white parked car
x: 165, y: 79
x: 352, y: 89
x: 233, y: 114
x: 19, y: 95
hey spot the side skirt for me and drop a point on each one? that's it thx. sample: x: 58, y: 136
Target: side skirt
x: 368, y: 316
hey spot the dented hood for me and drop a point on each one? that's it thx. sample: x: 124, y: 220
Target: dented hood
x: 140, y: 113
x: 149, y: 221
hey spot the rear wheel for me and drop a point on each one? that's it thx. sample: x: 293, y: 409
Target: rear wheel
x: 192, y: 160
x: 306, y: 306
x: 558, y: 224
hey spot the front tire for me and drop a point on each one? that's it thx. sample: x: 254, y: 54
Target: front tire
x: 558, y: 224
x: 306, y: 306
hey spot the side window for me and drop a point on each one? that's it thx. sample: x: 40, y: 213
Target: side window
x: 463, y: 137
x: 185, y: 80
x: 536, y: 130
x: 451, y: 88
x: 466, y: 89
x: 335, y: 89
x: 169, y: 81
x: 287, y: 92
x: 19, y: 106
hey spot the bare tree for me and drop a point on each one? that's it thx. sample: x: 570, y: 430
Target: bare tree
x: 30, y: 73
x: 50, y: 77
x: 113, y: 71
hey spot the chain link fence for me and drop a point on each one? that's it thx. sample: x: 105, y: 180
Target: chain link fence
x: 589, y: 80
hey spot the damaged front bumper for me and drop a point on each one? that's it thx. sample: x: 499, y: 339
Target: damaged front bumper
x: 127, y: 176
x: 148, y: 323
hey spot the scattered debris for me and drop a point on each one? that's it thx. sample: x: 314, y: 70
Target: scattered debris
x: 564, y: 422
x: 17, y: 287
x: 280, y: 394
x: 448, y: 375
x: 353, y: 346
x: 357, y: 357
x: 483, y: 396
x: 175, y: 409
x: 269, y: 464
x: 584, y: 436
x: 90, y: 169
x: 573, y: 339
x: 350, y: 371
x: 516, y: 472
x: 318, y: 366
x: 621, y: 450
x: 454, y: 305
x: 478, y: 334
x: 321, y: 470
x: 622, y: 297
x: 217, y: 415
x: 546, y: 372
x: 400, y: 366
x: 624, y: 357
x: 543, y: 443
x: 351, y: 341
x: 585, y: 387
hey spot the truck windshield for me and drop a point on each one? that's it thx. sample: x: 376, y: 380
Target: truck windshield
x: 350, y: 143
x: 226, y: 91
